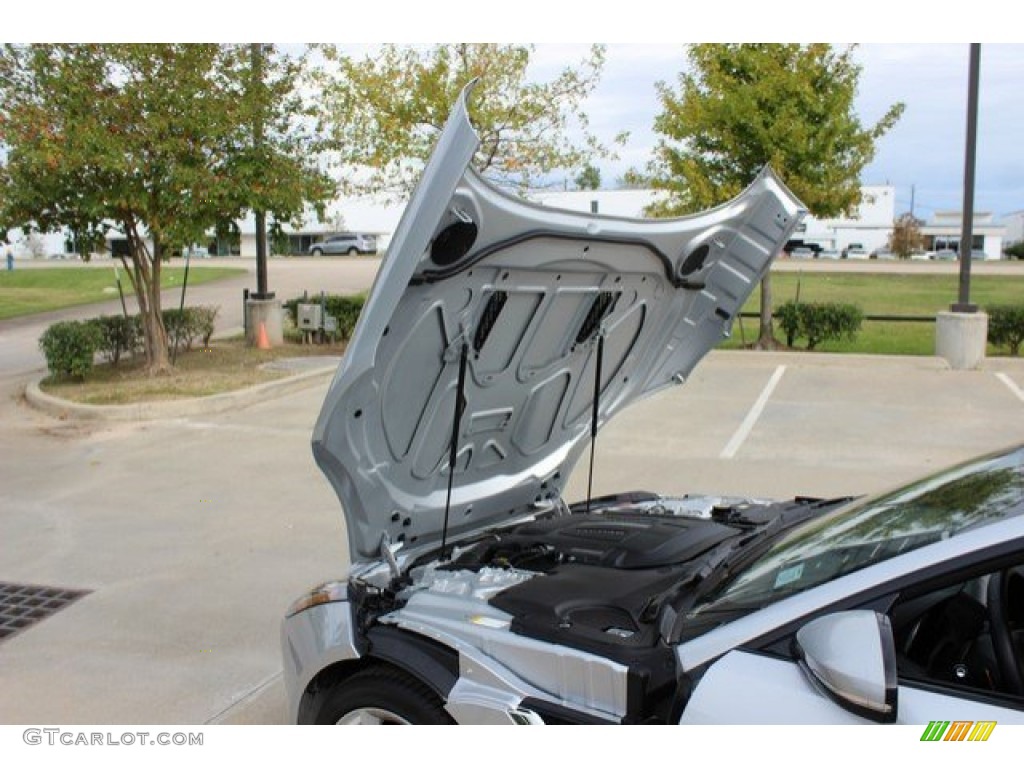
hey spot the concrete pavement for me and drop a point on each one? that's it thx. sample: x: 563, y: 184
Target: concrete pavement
x: 117, y: 509
x: 194, y: 534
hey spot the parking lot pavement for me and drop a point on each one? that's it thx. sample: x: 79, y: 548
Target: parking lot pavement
x: 832, y: 425
x: 193, y: 535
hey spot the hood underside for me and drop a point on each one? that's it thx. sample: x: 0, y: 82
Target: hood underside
x: 536, y: 301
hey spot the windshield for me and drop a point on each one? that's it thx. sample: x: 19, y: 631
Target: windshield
x: 868, y: 532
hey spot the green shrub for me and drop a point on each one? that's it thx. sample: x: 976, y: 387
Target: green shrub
x: 69, y: 348
x: 1006, y: 326
x: 345, y: 309
x: 818, y: 321
x: 291, y: 309
x: 118, y: 335
x: 789, y: 317
x: 186, y: 326
x: 202, y: 322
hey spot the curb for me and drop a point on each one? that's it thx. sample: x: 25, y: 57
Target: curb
x: 171, y: 409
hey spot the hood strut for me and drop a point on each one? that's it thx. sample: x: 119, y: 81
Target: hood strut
x: 593, y: 415
x: 453, y: 448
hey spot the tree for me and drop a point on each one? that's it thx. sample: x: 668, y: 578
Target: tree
x: 589, y: 178
x: 739, y: 107
x: 906, y: 237
x: 384, y: 112
x: 152, y: 141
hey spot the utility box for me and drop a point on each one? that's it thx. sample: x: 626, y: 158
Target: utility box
x: 316, y: 325
x: 310, y: 317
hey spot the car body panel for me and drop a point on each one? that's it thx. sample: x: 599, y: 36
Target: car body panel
x: 497, y: 669
x: 585, y: 681
x: 531, y: 296
x: 777, y: 692
x: 502, y: 674
x: 311, y: 641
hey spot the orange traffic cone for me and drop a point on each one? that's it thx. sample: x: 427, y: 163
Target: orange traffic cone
x: 262, y: 342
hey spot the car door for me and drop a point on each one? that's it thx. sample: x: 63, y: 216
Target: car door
x: 941, y: 634
x: 751, y: 688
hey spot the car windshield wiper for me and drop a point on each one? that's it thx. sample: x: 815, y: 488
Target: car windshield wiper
x: 763, y: 524
x: 755, y: 543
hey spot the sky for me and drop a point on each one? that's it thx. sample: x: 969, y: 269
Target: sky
x: 923, y: 155
x: 924, y: 152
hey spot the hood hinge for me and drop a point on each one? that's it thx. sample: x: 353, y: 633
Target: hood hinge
x: 387, y: 553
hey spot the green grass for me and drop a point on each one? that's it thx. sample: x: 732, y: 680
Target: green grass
x: 29, y: 291
x: 883, y: 294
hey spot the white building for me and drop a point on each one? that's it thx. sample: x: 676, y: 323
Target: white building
x: 347, y: 215
x: 1014, y: 223
x: 868, y: 228
x: 37, y: 245
x: 944, y: 230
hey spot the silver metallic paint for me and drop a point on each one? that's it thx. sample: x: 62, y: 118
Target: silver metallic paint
x: 574, y: 678
x: 385, y: 426
x: 311, y: 641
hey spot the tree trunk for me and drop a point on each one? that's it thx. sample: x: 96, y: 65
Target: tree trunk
x: 766, y: 336
x: 145, y: 277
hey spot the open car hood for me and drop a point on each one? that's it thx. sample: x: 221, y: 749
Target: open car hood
x: 525, y: 292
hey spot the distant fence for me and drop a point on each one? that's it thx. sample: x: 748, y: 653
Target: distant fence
x: 870, y: 318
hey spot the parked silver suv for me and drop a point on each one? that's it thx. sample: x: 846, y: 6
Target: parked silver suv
x: 350, y: 243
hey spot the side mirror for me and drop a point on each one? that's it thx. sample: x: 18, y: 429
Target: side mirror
x: 851, y: 658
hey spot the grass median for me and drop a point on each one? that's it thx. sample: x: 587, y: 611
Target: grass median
x: 902, y: 294
x: 29, y: 291
x: 224, y: 366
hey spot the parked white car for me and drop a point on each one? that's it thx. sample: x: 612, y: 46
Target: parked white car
x: 498, y: 339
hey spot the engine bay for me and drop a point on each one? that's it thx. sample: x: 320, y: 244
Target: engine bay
x: 594, y: 580
x: 607, y: 581
x: 600, y: 574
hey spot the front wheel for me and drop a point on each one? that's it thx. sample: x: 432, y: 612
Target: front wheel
x: 382, y: 695
x: 353, y: 251
x: 318, y: 252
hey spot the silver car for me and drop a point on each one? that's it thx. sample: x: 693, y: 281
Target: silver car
x: 350, y: 243
x: 500, y: 336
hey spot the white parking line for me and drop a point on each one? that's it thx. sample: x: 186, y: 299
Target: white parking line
x: 1011, y: 384
x: 752, y: 416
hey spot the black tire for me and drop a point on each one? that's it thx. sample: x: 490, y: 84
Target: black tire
x: 383, y: 694
x: 353, y: 251
x: 317, y: 252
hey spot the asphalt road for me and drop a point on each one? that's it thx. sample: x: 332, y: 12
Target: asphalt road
x: 192, y: 535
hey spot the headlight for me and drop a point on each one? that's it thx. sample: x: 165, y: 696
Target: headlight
x: 331, y: 592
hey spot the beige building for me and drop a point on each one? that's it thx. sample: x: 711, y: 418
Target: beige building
x: 943, y: 233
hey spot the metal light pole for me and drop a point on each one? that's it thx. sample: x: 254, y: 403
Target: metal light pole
x: 262, y: 311
x: 967, y: 231
x: 256, y: 51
